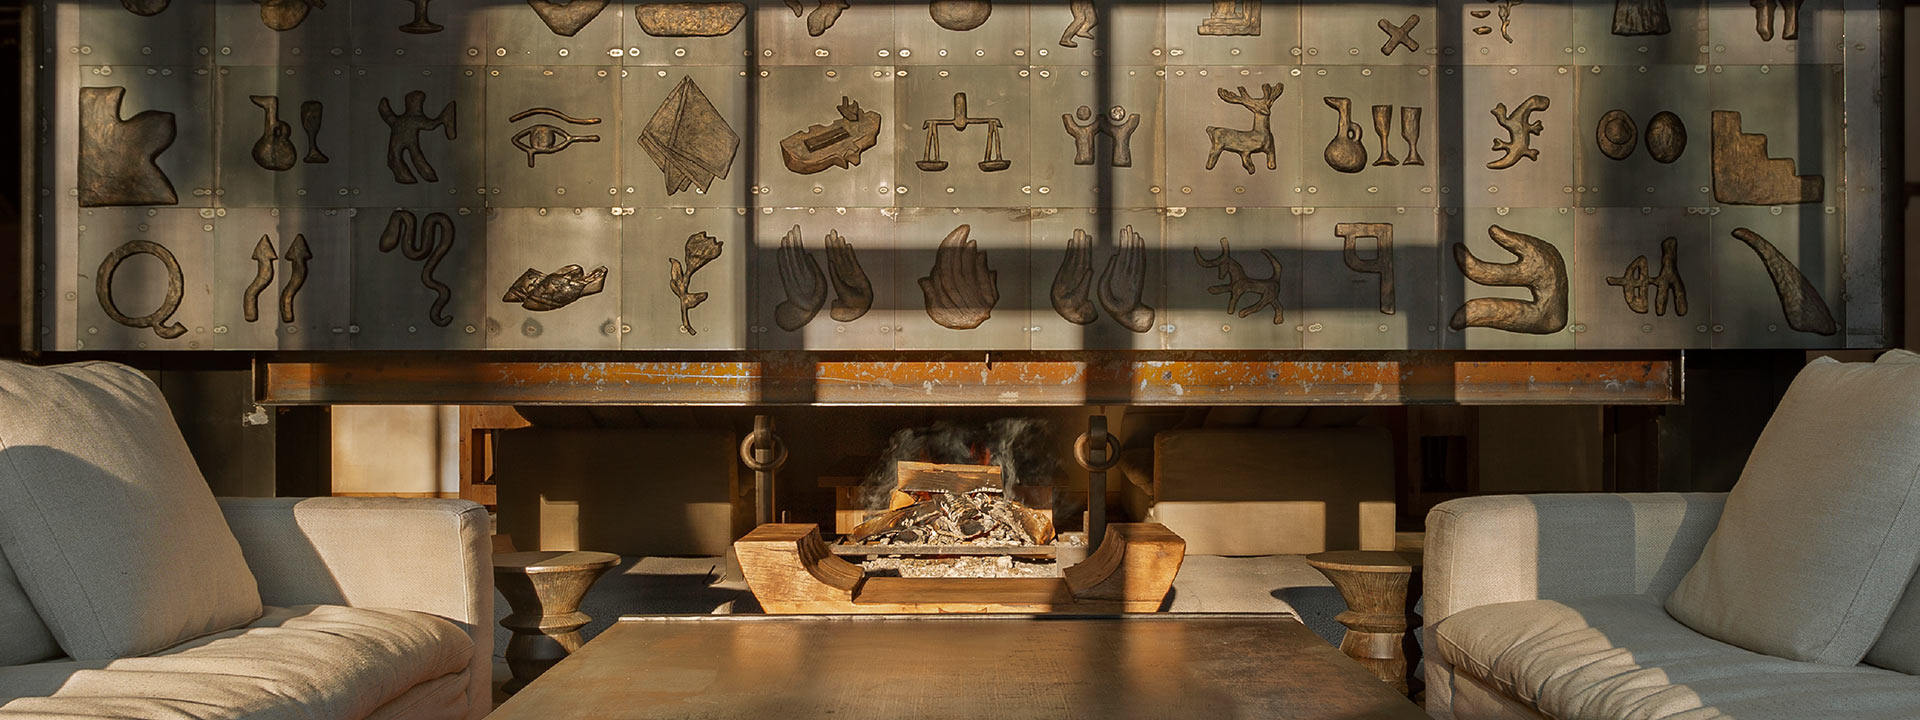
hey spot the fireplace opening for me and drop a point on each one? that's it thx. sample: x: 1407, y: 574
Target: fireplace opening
x: 953, y: 499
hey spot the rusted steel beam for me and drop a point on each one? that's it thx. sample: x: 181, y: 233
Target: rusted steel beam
x: 1085, y: 378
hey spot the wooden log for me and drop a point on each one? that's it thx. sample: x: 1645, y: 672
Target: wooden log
x: 791, y: 571
x: 933, y: 477
x: 1134, y: 567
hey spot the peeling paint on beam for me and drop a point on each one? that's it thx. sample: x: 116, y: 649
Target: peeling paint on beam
x: 1087, y: 378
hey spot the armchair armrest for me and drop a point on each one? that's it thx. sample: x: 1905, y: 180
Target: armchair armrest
x: 427, y: 555
x: 1504, y: 548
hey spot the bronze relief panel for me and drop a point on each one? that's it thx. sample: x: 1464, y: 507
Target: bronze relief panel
x: 834, y: 271
x: 551, y: 134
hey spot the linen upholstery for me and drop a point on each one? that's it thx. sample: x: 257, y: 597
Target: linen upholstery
x: 1275, y: 492
x: 1822, y: 533
x: 105, y: 517
x: 1898, y: 647
x: 1504, y: 548
x: 23, y: 637
x: 427, y: 555
x: 303, y: 662
x: 1622, y: 656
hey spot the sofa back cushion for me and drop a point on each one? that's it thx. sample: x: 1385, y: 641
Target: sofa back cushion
x: 105, y: 517
x: 23, y: 637
x: 1899, y: 645
x: 1822, y: 532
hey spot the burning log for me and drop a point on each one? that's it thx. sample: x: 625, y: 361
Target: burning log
x: 953, y: 505
x: 933, y: 477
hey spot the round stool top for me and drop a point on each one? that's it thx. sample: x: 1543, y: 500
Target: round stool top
x: 553, y: 561
x: 1376, y: 561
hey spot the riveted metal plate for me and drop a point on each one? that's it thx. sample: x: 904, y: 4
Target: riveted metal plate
x: 863, y: 34
x: 1684, y: 43
x: 180, y: 35
x: 1051, y: 230
x: 1733, y: 34
x: 1001, y: 40
x: 642, y: 93
x: 1001, y: 233
x: 927, y: 93
x: 729, y: 50
x: 457, y: 162
x: 1342, y: 308
x: 1277, y: 44
x: 1797, y: 107
x: 870, y: 232
x: 1196, y: 90
x: 1638, y: 180
x: 321, y: 301
x: 1747, y: 309
x: 461, y: 40
x: 1197, y: 318
x: 187, y: 94
x: 1553, y: 225
x: 1123, y: 34
x: 1515, y: 33
x: 1350, y: 33
x: 650, y: 311
x: 1606, y: 241
x: 546, y: 240
x: 241, y: 37
x: 141, y: 281
x: 392, y: 303
x: 1407, y: 94
x: 528, y: 40
x: 1130, y: 95
x: 243, y: 181
x: 793, y: 99
x: 1546, y: 181
x: 582, y: 174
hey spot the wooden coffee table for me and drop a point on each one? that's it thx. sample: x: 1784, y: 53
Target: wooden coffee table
x: 886, y: 666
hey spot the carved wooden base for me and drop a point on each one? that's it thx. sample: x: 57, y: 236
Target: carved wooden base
x: 544, y: 589
x: 1379, y: 610
x: 791, y: 571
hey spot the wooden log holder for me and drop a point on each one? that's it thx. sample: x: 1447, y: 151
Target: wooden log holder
x: 791, y: 571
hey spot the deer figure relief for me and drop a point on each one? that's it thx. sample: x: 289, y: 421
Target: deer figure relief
x: 1247, y: 143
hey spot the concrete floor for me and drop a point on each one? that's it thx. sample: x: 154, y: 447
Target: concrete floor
x: 695, y: 585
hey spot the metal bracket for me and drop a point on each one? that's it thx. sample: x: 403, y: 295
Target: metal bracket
x: 763, y: 453
x: 1095, y: 451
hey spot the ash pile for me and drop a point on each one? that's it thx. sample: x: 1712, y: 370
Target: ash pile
x: 953, y: 505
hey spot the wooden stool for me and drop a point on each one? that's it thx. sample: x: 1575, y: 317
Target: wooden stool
x: 544, y: 589
x: 1379, y: 611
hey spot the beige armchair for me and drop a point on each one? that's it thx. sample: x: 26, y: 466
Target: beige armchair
x: 128, y: 590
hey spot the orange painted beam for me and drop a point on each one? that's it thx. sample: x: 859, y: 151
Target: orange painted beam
x: 1084, y: 378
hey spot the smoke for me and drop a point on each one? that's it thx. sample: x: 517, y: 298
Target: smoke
x: 1019, y: 446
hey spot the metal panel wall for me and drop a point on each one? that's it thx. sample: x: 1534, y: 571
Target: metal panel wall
x: 1460, y: 174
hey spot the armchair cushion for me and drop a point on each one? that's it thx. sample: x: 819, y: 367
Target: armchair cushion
x: 321, y: 661
x: 1622, y: 656
x: 23, y: 638
x: 106, y: 519
x: 1822, y: 532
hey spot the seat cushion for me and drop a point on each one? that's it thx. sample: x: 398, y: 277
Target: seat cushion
x: 23, y: 637
x: 1275, y: 492
x: 105, y: 517
x: 1822, y: 532
x: 314, y: 661
x: 1622, y: 656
